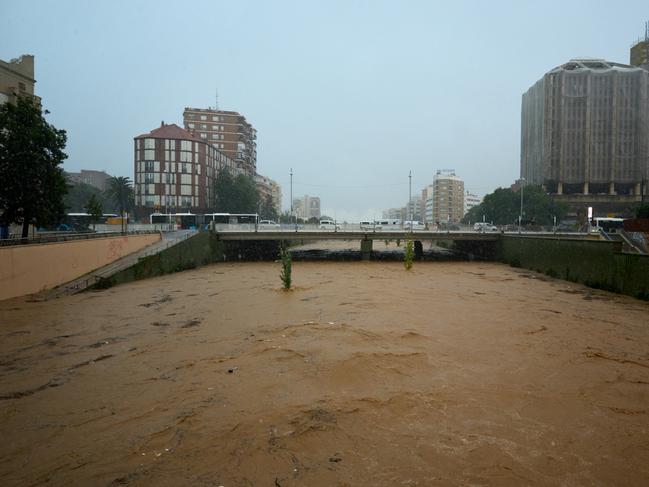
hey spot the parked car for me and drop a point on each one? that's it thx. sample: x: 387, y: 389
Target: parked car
x: 268, y: 224
x: 329, y: 225
x: 411, y: 226
x: 485, y: 227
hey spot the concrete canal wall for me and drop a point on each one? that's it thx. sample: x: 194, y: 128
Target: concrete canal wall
x: 28, y: 269
x: 597, y: 264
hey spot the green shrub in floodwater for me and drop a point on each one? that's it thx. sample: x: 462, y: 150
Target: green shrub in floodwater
x: 285, y: 275
x: 409, y: 255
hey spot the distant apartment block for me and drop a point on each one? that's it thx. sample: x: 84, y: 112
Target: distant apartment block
x: 98, y: 179
x: 427, y: 204
x: 471, y: 201
x: 267, y: 187
x: 448, y: 197
x: 414, y: 210
x: 227, y: 131
x: 306, y: 207
x: 394, y: 213
x: 17, y: 79
x: 175, y: 170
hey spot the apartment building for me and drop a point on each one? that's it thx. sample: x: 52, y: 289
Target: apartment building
x: 448, y: 197
x: 306, y: 207
x: 267, y: 187
x: 229, y: 132
x: 175, y: 170
x: 17, y: 79
x: 98, y: 179
x: 471, y: 201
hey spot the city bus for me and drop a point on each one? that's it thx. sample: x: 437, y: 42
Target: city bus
x: 607, y: 224
x: 204, y: 220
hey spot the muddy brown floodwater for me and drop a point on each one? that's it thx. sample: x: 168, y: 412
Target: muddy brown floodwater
x: 364, y: 374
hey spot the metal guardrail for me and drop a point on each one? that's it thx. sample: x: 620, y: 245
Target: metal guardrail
x: 68, y: 237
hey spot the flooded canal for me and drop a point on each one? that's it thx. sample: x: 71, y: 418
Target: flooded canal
x: 454, y: 373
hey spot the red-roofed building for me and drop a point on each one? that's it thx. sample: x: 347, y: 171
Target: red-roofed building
x: 175, y: 171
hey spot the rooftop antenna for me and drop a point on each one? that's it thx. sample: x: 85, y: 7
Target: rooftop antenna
x: 646, y: 30
x: 216, y: 97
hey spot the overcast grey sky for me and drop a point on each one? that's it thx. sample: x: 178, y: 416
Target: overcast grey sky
x: 350, y: 94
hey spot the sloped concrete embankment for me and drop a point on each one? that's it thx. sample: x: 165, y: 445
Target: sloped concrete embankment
x: 27, y: 269
x: 597, y: 264
x: 200, y: 249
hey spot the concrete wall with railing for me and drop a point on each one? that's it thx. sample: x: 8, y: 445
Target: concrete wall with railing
x: 27, y: 269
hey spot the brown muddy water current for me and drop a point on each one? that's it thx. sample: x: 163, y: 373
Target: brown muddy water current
x: 454, y: 373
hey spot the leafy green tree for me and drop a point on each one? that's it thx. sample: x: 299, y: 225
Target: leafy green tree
x: 235, y: 194
x: 642, y: 211
x: 32, y: 182
x: 120, y: 190
x: 409, y: 254
x: 94, y: 209
x: 502, y: 207
x: 285, y: 274
x: 268, y: 211
x: 79, y: 194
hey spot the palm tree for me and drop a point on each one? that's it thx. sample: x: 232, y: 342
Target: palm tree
x: 120, y: 190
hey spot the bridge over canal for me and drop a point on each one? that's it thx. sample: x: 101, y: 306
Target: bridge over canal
x: 366, y: 238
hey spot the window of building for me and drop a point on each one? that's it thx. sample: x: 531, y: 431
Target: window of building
x: 190, y: 125
x: 215, y: 118
x: 149, y: 143
x: 148, y: 166
x: 203, y: 136
x: 203, y: 117
x: 204, y: 126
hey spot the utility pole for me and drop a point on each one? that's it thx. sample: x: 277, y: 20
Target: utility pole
x: 520, y: 216
x: 292, y: 198
x: 410, y: 197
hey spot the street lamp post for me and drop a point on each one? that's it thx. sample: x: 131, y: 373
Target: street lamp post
x: 520, y: 216
x: 291, y: 173
x: 410, y: 198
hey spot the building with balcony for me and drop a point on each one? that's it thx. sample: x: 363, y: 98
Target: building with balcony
x: 228, y: 132
x: 175, y: 171
x: 17, y: 79
x: 448, y: 197
x: 266, y: 187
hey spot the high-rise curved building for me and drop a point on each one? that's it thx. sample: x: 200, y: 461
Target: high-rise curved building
x: 585, y: 133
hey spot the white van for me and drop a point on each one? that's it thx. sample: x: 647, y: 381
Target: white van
x: 411, y: 226
x: 367, y: 225
x: 387, y: 225
x: 329, y: 225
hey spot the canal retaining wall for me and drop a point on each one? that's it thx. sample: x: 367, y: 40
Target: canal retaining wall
x: 28, y: 269
x: 595, y: 263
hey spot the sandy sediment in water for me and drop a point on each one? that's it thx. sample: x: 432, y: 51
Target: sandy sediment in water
x: 364, y: 374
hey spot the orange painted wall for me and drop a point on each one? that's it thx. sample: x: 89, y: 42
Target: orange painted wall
x: 27, y: 269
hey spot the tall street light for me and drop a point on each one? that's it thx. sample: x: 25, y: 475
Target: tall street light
x: 520, y: 216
